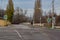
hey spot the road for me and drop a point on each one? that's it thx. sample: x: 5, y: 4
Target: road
x: 27, y: 32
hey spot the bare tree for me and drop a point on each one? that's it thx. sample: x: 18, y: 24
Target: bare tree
x: 19, y: 16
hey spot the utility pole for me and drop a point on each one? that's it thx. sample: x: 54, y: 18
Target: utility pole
x: 53, y: 7
x: 53, y: 14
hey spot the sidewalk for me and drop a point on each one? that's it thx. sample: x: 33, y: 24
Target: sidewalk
x: 57, y: 27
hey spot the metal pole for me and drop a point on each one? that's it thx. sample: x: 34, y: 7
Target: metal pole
x: 52, y: 13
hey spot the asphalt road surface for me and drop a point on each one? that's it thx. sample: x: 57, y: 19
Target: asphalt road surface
x: 27, y: 32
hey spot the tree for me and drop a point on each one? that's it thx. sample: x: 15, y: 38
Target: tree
x: 23, y: 17
x: 37, y: 11
x: 19, y: 16
x: 10, y: 10
x: 16, y: 19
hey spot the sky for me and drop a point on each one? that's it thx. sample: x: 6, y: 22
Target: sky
x: 29, y: 5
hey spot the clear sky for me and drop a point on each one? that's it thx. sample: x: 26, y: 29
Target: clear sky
x: 29, y: 5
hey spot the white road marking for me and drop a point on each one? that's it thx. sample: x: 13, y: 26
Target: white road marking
x: 18, y: 34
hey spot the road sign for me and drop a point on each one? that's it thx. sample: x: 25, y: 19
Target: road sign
x: 49, y: 20
x: 5, y: 17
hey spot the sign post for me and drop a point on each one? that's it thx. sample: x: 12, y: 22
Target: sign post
x: 53, y: 22
x: 49, y: 21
